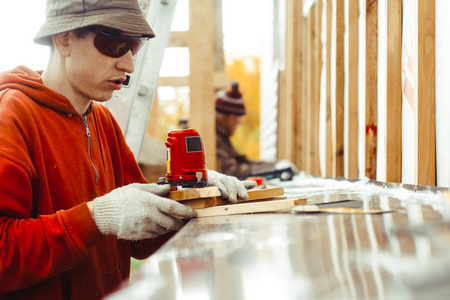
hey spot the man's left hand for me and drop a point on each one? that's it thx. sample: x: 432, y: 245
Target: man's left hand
x: 230, y: 186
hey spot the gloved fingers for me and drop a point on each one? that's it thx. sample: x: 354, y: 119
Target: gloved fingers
x: 157, y: 189
x: 231, y: 188
x: 168, y: 223
x: 221, y: 187
x: 249, y: 184
x: 242, y: 192
x: 173, y: 208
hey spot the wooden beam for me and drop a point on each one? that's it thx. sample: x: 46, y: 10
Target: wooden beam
x: 178, y: 39
x: 203, y: 201
x: 329, y: 145
x: 293, y: 79
x: 351, y: 86
x: 311, y: 92
x: 303, y: 146
x: 339, y: 89
x: 371, y: 88
x: 252, y: 207
x: 220, y: 80
x: 319, y: 63
x: 201, y: 52
x: 425, y: 94
x: 394, y: 91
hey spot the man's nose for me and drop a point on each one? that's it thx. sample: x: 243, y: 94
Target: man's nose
x: 125, y: 62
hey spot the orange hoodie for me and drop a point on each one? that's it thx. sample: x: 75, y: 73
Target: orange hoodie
x: 50, y: 247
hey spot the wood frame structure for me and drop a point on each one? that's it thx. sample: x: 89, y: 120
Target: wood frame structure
x: 333, y: 50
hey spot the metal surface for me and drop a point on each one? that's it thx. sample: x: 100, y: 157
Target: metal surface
x: 400, y: 255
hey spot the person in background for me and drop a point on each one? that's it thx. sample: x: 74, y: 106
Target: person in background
x: 230, y: 109
x: 74, y: 204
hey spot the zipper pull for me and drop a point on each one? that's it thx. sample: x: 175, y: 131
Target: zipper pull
x: 88, y: 133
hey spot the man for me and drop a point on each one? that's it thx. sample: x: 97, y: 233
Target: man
x: 229, y: 111
x: 75, y: 205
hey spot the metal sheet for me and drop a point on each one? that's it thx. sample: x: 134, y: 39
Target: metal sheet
x: 400, y: 255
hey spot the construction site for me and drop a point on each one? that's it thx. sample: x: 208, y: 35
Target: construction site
x: 354, y: 93
x: 354, y: 96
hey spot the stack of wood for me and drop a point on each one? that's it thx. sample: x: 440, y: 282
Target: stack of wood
x: 208, y: 203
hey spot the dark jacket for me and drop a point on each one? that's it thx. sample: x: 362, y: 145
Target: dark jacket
x: 231, y: 162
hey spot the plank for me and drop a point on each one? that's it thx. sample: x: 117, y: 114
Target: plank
x: 303, y: 145
x: 371, y: 134
x: 394, y: 92
x: 310, y: 93
x: 201, y: 40
x: 318, y: 10
x: 425, y: 112
x: 210, y: 196
x: 339, y: 91
x: 336, y: 210
x: 351, y: 99
x: 252, y: 207
x: 194, y: 193
x: 329, y: 157
x: 216, y: 201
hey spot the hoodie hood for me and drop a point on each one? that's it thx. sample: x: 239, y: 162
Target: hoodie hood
x: 30, y: 83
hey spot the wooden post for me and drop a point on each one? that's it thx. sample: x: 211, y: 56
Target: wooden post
x: 425, y: 94
x: 304, y: 98
x: 201, y: 49
x: 339, y: 89
x: 319, y: 63
x: 310, y: 94
x: 394, y: 91
x: 329, y: 157
x: 371, y: 87
x: 294, y: 78
x: 351, y: 85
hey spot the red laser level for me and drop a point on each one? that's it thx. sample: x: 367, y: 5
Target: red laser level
x: 186, y: 159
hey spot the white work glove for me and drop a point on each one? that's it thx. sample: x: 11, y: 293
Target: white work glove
x: 230, y: 186
x: 137, y: 211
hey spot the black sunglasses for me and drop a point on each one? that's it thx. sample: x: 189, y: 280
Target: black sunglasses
x: 114, y: 45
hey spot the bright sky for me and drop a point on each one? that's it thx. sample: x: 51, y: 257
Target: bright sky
x: 20, y: 20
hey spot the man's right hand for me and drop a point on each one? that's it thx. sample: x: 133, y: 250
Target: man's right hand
x: 137, y: 211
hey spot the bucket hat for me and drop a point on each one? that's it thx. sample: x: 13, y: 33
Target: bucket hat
x: 65, y: 15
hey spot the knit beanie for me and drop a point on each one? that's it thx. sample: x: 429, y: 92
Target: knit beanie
x: 230, y: 102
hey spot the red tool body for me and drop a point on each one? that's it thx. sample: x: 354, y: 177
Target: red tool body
x: 186, y: 159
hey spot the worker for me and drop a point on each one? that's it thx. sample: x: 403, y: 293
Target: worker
x: 230, y: 109
x: 74, y: 205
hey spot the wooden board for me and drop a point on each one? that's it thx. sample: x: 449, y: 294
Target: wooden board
x: 195, y: 193
x: 336, y: 210
x: 216, y: 201
x: 371, y: 58
x: 351, y: 143
x: 394, y: 92
x: 251, y: 207
x: 254, y: 195
x: 425, y: 94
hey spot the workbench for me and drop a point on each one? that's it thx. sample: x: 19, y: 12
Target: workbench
x: 403, y: 254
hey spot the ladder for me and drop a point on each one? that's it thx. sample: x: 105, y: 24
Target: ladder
x: 132, y: 104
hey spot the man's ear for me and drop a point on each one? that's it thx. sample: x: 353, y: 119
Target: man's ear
x: 61, y: 43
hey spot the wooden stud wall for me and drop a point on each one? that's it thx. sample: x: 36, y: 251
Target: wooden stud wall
x: 332, y: 52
